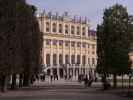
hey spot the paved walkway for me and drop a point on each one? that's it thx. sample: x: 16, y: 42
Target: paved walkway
x: 61, y: 90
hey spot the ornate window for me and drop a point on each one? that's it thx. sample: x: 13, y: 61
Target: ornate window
x: 48, y: 42
x: 93, y: 52
x: 66, y: 29
x: 54, y: 59
x: 73, y: 59
x: 66, y: 59
x: 93, y: 60
x: 88, y: 45
x: 66, y: 43
x: 83, y: 31
x: 48, y: 59
x: 60, y: 59
x: 88, y: 60
x: 78, y: 30
x: 47, y: 27
x: 93, y: 46
x: 60, y: 42
x: 83, y: 60
x: 54, y: 27
x: 72, y: 29
x: 78, y: 44
x: 78, y: 59
x: 84, y: 45
x: 54, y: 42
x: 73, y: 44
x: 60, y: 28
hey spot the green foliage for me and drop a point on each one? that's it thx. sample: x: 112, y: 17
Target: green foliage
x: 113, y: 41
x: 20, y: 38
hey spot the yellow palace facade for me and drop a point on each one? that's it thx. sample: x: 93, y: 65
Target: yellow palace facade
x: 69, y: 46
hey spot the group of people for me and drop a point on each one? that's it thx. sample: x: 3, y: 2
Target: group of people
x: 88, y: 79
x: 55, y: 76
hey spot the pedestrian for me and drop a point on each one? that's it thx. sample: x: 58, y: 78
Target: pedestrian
x: 43, y: 77
x: 86, y: 80
x: 90, y: 79
x: 51, y: 78
x: 106, y: 84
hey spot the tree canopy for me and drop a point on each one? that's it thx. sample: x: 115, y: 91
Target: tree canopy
x: 113, y: 41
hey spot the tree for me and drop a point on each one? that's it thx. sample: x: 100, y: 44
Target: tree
x: 113, y: 42
x: 20, y: 41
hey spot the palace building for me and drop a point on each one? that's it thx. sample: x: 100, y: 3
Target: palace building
x: 69, y: 45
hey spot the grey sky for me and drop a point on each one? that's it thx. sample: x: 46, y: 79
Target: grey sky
x: 92, y: 9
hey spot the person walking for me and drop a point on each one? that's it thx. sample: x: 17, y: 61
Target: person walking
x: 86, y: 80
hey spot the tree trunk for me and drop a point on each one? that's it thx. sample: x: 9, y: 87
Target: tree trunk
x: 13, y: 85
x: 20, y: 80
x: 114, y: 80
x: 4, y: 83
x: 26, y: 81
x: 122, y: 81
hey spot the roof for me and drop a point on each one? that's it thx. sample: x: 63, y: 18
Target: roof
x: 92, y: 32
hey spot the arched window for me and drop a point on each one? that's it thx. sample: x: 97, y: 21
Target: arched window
x: 66, y: 29
x: 84, y: 45
x: 72, y: 44
x: 48, y: 59
x: 60, y: 42
x: 88, y: 60
x: 60, y: 59
x: 78, y: 44
x: 83, y: 31
x: 93, y: 60
x: 78, y: 30
x: 66, y: 59
x: 73, y: 59
x: 60, y: 28
x: 78, y: 59
x: 72, y: 30
x: 83, y: 60
x: 47, y: 27
x: 54, y: 59
x: 54, y: 26
x: 54, y: 42
x: 48, y: 41
x: 67, y: 43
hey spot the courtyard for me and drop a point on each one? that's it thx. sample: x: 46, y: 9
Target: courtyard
x: 63, y: 90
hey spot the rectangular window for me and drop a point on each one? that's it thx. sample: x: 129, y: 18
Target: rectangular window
x: 47, y: 27
x: 60, y: 28
x: 78, y: 30
x: 60, y: 43
x: 67, y: 43
x: 66, y: 29
x: 93, y: 46
x: 88, y: 60
x: 54, y: 42
x: 84, y: 45
x: 83, y: 31
x: 48, y: 42
x: 93, y: 60
x: 73, y: 44
x: 88, y: 45
x: 83, y: 59
x: 78, y: 44
x: 72, y: 30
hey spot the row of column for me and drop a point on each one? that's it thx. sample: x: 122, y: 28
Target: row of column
x: 64, y: 53
x: 43, y: 22
x: 71, y: 72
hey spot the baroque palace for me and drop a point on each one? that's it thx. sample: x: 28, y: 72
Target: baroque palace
x: 69, y: 45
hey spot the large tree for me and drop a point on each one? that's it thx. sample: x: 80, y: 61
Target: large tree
x: 20, y: 41
x: 113, y: 42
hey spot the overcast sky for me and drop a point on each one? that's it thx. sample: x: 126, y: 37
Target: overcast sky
x: 92, y: 9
